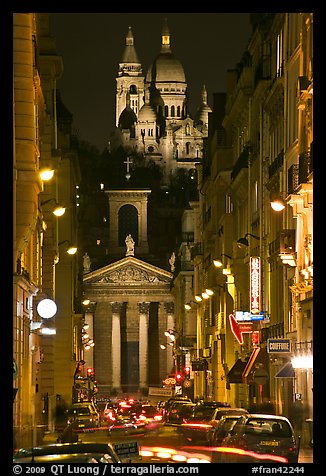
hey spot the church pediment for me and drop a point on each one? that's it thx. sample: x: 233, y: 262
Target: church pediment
x: 129, y: 271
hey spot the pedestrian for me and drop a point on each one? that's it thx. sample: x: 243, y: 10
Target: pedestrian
x: 297, y: 417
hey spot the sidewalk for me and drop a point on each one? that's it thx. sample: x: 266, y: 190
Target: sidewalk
x: 305, y: 455
x: 50, y: 438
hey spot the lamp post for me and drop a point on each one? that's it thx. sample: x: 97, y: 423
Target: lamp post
x: 243, y: 242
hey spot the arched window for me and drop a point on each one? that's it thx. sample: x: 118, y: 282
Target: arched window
x: 166, y: 111
x: 187, y: 148
x: 133, y: 89
x: 172, y: 111
x: 128, y: 223
x: 178, y: 111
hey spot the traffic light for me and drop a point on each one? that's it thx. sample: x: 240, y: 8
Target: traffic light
x: 187, y: 372
x: 178, y: 377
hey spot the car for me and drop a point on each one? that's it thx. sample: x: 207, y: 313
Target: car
x: 108, y: 412
x: 170, y: 401
x: 129, y: 407
x: 201, y: 425
x: 68, y: 453
x: 179, y: 412
x: 150, y: 416
x: 85, y: 414
x: 224, y: 426
x: 125, y: 425
x: 264, y: 433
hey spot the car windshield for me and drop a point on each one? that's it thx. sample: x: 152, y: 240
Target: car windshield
x: 202, y: 414
x: 267, y: 427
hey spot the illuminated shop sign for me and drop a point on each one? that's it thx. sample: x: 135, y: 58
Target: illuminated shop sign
x: 254, y: 285
x: 246, y: 316
x: 278, y: 345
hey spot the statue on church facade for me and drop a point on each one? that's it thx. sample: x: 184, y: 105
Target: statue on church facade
x: 130, y: 244
x: 172, y: 262
x: 86, y: 263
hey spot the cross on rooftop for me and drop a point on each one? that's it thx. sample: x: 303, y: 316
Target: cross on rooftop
x: 128, y: 162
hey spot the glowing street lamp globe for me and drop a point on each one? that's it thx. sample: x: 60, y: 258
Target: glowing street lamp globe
x: 47, y: 308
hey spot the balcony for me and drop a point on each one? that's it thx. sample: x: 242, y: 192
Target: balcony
x: 300, y: 173
x: 241, y: 163
x: 276, y: 164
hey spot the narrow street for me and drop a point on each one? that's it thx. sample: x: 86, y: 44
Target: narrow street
x: 166, y: 436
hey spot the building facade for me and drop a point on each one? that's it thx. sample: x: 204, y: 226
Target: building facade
x: 254, y: 307
x: 45, y: 347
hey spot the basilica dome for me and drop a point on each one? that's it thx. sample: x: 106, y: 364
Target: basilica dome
x: 146, y: 113
x: 166, y: 69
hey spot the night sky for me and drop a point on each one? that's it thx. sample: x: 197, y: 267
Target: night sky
x: 92, y: 44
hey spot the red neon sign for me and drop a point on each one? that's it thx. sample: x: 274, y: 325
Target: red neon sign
x: 254, y: 285
x: 235, y: 329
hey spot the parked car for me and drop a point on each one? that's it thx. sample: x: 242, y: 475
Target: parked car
x: 201, y: 425
x: 179, y: 412
x: 263, y: 433
x: 224, y: 426
x: 85, y: 414
x: 68, y: 453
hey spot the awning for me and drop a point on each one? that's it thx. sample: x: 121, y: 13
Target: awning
x: 235, y: 373
x: 251, y: 361
x: 257, y: 366
x: 287, y: 371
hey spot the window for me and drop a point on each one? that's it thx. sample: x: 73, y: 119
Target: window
x: 279, y: 54
x: 187, y: 148
x: 128, y: 223
x: 172, y: 111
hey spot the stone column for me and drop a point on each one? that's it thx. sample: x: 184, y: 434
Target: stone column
x: 169, y: 310
x: 143, y: 308
x: 116, y: 347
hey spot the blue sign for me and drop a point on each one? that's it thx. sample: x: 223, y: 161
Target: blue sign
x: 278, y: 345
x: 257, y: 317
x: 241, y: 316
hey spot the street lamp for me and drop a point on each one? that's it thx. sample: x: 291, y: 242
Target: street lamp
x: 46, y: 308
x: 58, y: 210
x: 46, y: 174
x: 218, y: 262
x: 243, y: 242
x: 277, y: 202
x: 71, y: 249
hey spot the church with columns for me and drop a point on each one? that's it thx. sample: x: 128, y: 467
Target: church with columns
x: 131, y: 304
